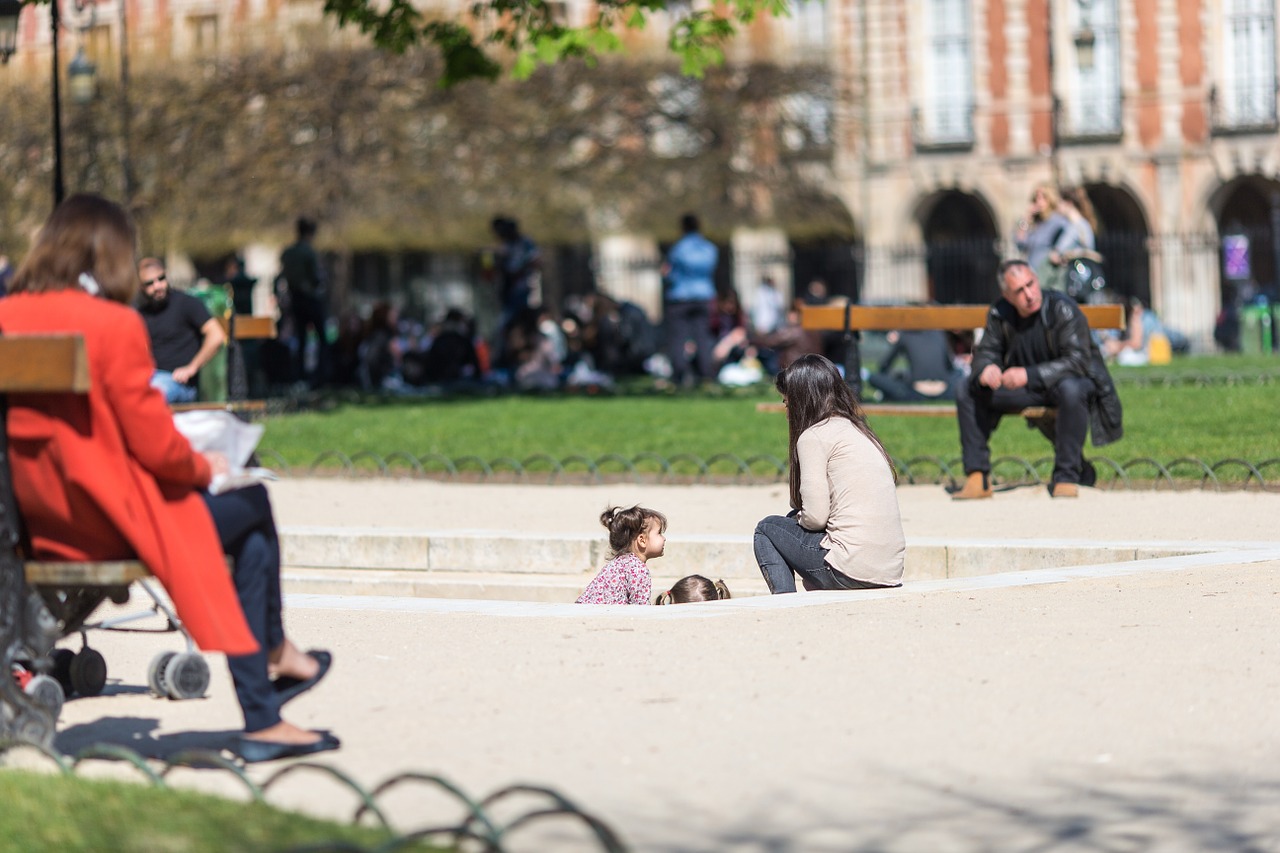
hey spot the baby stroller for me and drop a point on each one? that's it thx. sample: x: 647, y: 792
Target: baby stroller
x: 173, y: 675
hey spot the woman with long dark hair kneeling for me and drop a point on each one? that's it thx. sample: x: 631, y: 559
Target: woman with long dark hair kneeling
x: 844, y: 530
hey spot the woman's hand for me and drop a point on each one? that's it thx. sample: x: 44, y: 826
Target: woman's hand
x: 218, y: 464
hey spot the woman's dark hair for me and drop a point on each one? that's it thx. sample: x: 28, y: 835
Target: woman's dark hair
x: 693, y: 588
x: 814, y: 391
x: 85, y: 235
x: 626, y: 525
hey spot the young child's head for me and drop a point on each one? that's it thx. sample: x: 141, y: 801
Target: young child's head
x: 693, y: 588
x: 636, y: 531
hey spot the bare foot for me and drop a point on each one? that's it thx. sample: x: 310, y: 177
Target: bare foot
x: 284, y: 732
x: 290, y: 661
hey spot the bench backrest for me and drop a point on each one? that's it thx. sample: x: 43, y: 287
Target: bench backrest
x: 250, y: 327
x: 946, y: 317
x: 43, y: 363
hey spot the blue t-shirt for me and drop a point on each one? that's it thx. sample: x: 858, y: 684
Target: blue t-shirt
x: 693, y: 266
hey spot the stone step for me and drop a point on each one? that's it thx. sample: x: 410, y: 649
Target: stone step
x: 490, y: 586
x: 491, y: 564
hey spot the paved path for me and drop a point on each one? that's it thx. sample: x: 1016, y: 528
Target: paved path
x: 1122, y: 707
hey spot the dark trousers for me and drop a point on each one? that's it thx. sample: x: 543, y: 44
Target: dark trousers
x: 979, y: 409
x: 309, y: 311
x: 689, y: 321
x: 248, y: 534
x: 784, y: 549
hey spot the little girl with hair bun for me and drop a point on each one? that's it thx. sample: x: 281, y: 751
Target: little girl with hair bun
x: 635, y: 537
x: 693, y: 588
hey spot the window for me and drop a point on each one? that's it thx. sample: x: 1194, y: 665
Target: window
x: 944, y: 117
x: 203, y: 30
x: 1246, y: 95
x: 1093, y: 107
x: 810, y: 17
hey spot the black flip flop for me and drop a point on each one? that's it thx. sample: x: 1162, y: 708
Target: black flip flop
x: 289, y: 688
x: 254, y: 751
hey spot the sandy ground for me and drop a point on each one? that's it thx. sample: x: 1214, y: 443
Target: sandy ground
x: 927, y: 511
x: 1111, y: 712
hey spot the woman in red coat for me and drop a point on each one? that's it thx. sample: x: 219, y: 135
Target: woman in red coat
x: 106, y: 475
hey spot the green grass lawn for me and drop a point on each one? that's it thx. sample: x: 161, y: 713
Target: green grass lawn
x: 61, y: 814
x: 1210, y: 420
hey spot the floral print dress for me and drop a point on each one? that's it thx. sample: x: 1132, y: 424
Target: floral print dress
x: 624, y: 580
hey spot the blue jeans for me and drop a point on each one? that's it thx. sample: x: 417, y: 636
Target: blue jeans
x: 247, y: 530
x: 173, y: 390
x: 784, y: 549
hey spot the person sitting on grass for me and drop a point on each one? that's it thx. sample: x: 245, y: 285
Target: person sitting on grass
x: 635, y: 537
x: 693, y: 588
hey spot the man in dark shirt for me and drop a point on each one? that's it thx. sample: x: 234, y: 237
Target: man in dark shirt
x: 1036, y: 350
x: 304, y: 279
x: 184, y: 337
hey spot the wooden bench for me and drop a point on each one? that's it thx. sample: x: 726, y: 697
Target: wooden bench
x: 40, y: 602
x: 853, y: 319
x: 238, y: 328
x: 248, y: 327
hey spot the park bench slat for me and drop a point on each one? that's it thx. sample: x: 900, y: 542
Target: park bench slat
x: 945, y: 317
x: 918, y: 410
x: 251, y: 327
x: 101, y: 573
x: 43, y: 363
x: 254, y: 406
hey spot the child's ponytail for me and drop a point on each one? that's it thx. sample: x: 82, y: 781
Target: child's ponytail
x: 626, y: 525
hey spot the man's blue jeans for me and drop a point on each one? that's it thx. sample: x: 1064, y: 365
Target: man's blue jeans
x: 173, y: 390
x: 784, y: 549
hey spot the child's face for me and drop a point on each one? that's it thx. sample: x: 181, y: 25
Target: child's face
x: 652, y: 541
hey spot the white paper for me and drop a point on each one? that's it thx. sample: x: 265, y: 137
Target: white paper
x: 224, y: 433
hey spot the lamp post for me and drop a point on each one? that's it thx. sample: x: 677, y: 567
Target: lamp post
x: 81, y: 73
x: 9, y: 12
x: 59, y: 188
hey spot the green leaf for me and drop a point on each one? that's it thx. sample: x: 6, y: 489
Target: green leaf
x: 526, y: 63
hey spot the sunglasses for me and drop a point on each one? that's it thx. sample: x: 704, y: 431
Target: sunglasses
x: 154, y: 280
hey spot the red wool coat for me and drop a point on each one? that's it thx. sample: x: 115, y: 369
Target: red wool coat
x: 107, y: 475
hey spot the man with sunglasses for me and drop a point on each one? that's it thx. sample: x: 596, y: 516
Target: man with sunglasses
x: 184, y: 336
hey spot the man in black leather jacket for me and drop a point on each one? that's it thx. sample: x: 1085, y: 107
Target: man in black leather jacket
x: 1036, y: 351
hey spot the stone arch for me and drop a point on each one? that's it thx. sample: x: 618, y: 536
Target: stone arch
x: 829, y: 249
x: 1246, y: 210
x: 960, y: 240
x: 1123, y: 239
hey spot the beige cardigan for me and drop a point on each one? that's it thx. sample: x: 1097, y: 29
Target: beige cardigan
x: 847, y: 489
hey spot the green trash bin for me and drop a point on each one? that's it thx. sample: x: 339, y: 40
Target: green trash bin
x: 1256, y: 329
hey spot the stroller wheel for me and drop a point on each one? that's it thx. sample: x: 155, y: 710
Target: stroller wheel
x: 88, y: 672
x: 45, y: 691
x: 62, y: 668
x: 155, y: 674
x: 186, y: 676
